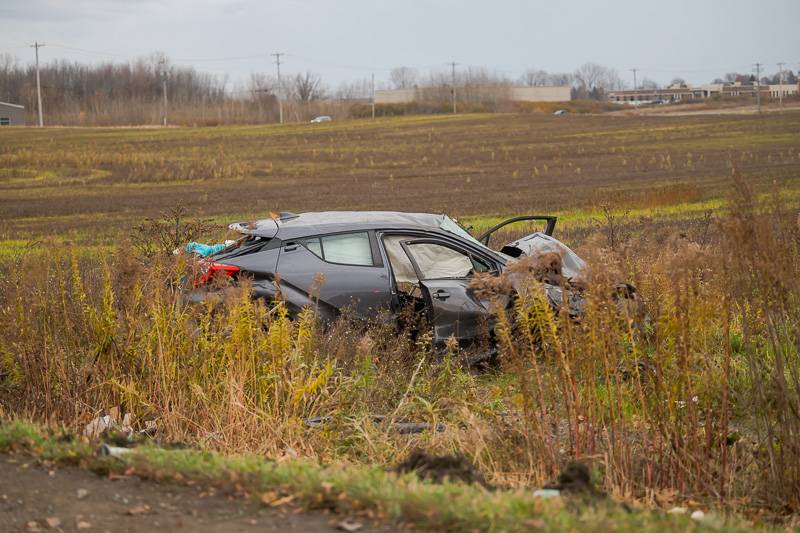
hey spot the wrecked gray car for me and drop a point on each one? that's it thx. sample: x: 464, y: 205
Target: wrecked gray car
x: 377, y: 261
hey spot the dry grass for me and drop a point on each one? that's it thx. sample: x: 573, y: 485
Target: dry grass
x: 699, y: 401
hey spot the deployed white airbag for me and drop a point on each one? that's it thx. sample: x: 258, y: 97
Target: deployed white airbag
x: 572, y: 267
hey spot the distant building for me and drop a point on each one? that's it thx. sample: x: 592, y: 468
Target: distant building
x: 787, y: 90
x: 560, y: 93
x: 680, y: 93
x: 395, y: 96
x: 514, y: 94
x: 642, y: 96
x: 12, y: 114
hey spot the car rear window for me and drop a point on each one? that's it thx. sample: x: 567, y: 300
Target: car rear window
x: 344, y: 248
x: 244, y: 246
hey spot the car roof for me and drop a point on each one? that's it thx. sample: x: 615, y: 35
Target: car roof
x: 291, y: 226
x: 315, y: 223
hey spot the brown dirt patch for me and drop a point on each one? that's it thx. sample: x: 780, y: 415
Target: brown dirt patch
x: 31, y: 495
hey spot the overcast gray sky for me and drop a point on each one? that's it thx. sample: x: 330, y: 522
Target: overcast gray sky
x: 347, y: 39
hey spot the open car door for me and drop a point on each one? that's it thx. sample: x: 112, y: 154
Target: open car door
x: 445, y: 273
x: 550, y: 225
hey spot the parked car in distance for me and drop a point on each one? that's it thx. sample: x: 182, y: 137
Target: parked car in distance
x: 560, y: 112
x: 321, y: 118
x: 379, y: 261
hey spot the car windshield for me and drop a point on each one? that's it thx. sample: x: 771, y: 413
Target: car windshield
x: 451, y: 226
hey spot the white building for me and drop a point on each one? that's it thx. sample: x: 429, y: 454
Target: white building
x: 12, y: 114
x: 561, y: 93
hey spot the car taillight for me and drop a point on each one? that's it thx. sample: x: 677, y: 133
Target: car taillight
x: 212, y: 270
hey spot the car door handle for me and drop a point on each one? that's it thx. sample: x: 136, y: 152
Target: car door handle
x: 441, y: 294
x: 290, y: 248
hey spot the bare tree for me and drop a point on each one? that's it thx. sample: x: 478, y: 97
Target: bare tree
x: 589, y: 75
x: 263, y: 91
x: 403, y: 77
x: 307, y: 86
x: 560, y: 78
x: 733, y: 77
x: 649, y: 84
x: 612, y: 81
x: 535, y: 77
x: 8, y: 64
x: 593, y: 80
x: 678, y: 82
x: 262, y: 83
x: 354, y: 90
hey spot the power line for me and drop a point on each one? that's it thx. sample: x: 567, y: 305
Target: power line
x: 758, y: 86
x: 187, y: 59
x: 453, y: 84
x: 163, y: 65
x: 346, y: 66
x: 36, y: 45
x: 85, y: 50
x: 220, y: 59
x: 363, y: 68
x: 692, y: 71
x: 12, y: 46
x: 277, y: 56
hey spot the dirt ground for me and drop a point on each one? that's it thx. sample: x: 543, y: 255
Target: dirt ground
x: 95, y: 184
x: 36, y: 498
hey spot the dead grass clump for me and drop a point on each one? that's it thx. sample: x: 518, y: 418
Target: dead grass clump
x: 439, y: 468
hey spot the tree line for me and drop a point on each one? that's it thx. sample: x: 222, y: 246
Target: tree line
x: 131, y: 93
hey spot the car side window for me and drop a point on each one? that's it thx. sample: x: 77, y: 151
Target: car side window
x: 345, y: 248
x: 402, y: 268
x: 436, y: 261
x: 314, y: 246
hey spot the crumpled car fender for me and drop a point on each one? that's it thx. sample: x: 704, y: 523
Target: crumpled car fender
x: 522, y: 285
x: 573, y: 268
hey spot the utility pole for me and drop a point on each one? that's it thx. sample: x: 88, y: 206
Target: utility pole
x: 38, y: 45
x: 277, y: 56
x: 635, y: 96
x: 373, y: 96
x: 758, y: 86
x: 163, y: 66
x: 453, y: 84
x: 780, y: 87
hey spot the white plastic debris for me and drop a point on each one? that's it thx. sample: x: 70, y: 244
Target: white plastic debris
x: 698, y: 515
x: 547, y: 493
x: 677, y: 510
x: 126, y: 424
x: 112, y: 451
x: 111, y: 421
x: 349, y: 525
x: 99, y: 425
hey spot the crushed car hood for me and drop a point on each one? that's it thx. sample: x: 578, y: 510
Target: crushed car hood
x: 572, y: 267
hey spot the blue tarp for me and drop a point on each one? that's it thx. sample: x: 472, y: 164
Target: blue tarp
x: 203, y: 250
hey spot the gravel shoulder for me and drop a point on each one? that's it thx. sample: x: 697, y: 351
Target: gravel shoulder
x: 35, y: 497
